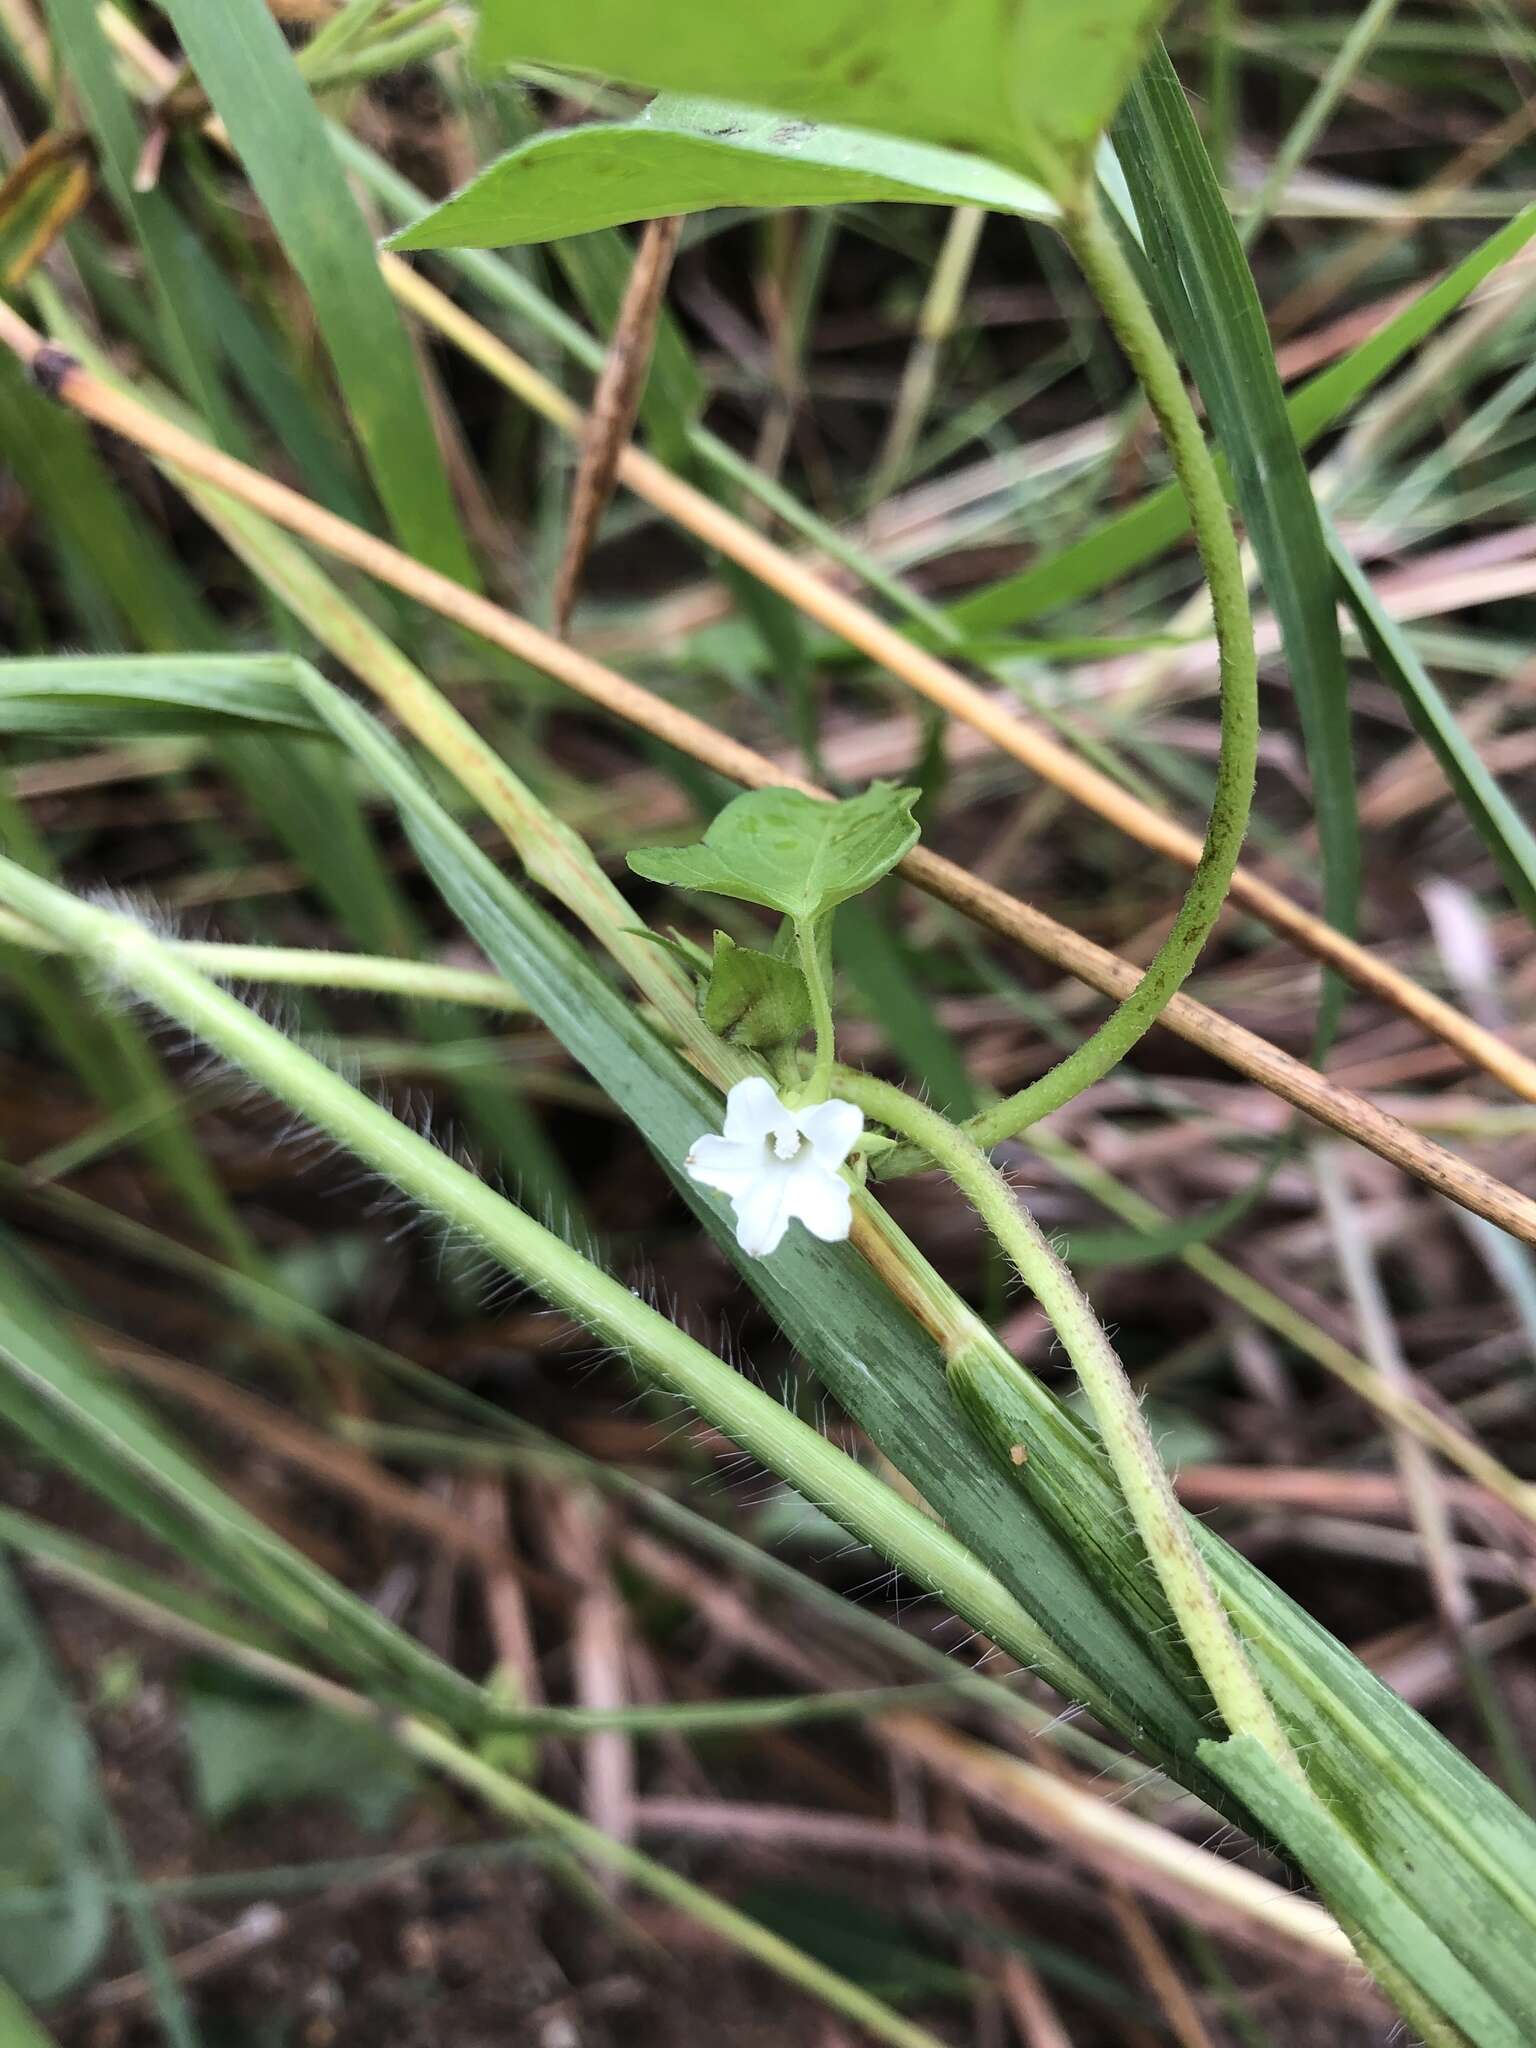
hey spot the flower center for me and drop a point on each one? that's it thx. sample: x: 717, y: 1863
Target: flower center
x: 786, y: 1140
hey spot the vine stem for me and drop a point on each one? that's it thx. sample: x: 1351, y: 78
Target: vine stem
x: 1143, y: 1478
x: 1116, y: 287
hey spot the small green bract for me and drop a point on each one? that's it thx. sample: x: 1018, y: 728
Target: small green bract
x: 754, y: 999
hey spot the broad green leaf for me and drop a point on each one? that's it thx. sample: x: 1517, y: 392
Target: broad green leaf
x: 253, y: 1747
x: 238, y: 52
x: 684, y: 155
x: 790, y: 852
x: 1127, y: 539
x: 754, y: 999
x: 1026, y: 81
x: 1202, y: 280
x: 50, y: 1815
x: 1497, y: 822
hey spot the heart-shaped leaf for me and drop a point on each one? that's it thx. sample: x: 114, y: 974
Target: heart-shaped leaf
x: 754, y: 999
x: 790, y: 852
x: 1027, y: 81
x: 684, y: 155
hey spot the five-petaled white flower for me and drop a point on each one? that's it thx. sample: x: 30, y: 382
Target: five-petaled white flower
x: 777, y: 1163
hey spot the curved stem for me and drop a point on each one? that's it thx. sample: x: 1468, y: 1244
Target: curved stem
x: 1144, y: 1480
x: 1116, y: 287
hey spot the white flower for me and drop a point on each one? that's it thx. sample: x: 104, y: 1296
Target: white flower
x: 777, y: 1163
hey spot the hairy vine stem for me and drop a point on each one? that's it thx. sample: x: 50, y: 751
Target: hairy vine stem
x: 1116, y: 287
x: 1143, y: 1478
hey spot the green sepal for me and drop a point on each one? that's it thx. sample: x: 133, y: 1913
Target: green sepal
x: 754, y: 999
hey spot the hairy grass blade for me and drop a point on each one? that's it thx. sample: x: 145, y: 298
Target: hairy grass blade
x: 1498, y: 823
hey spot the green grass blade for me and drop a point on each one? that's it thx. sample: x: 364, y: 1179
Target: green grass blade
x: 109, y: 697
x: 490, y: 1436
x: 1494, y: 817
x: 92, y: 1571
x: 1394, y: 1781
x: 166, y: 1992
x: 1208, y: 295
x: 1403, y: 1781
x: 314, y: 813
x: 1353, y: 1887
x: 115, y: 1063
x: 77, y: 1559
x: 185, y: 330
x: 54, y: 1395
x: 52, y: 457
x: 884, y: 972
x: 1391, y: 1774
x: 247, y: 70
x: 455, y: 1197
x: 319, y: 819
x: 18, y: 2028
x: 265, y: 366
